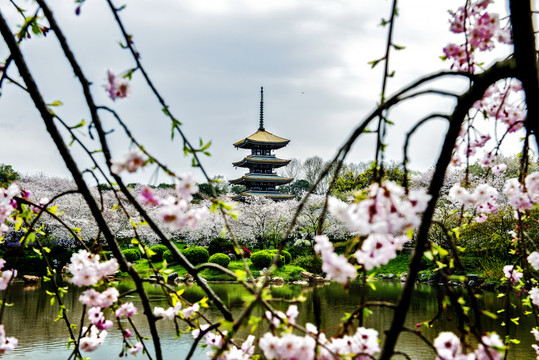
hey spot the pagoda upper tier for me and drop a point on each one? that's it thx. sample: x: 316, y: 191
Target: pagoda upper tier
x: 262, y: 139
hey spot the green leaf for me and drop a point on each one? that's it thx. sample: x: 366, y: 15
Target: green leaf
x: 397, y: 47
x: 384, y: 22
x: 79, y: 125
x: 375, y: 62
x: 29, y: 238
x: 489, y: 314
x: 56, y: 103
x: 35, y: 27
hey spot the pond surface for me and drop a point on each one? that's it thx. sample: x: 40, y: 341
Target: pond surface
x: 30, y: 319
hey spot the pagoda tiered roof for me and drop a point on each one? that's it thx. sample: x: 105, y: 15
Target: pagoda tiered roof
x: 258, y: 177
x: 261, y: 160
x: 262, y: 138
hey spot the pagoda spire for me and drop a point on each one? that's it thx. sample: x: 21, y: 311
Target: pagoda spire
x: 261, y: 127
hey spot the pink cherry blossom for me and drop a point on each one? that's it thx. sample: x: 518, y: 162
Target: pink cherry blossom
x: 93, y: 339
x: 148, y: 197
x: 188, y: 312
x: 131, y: 162
x: 7, y: 344
x: 87, y: 270
x: 117, y: 87
x: 126, y: 310
x: 533, y: 259
x: 135, y: 349
x: 512, y: 274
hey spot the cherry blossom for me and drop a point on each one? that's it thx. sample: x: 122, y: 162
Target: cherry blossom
x: 188, y: 312
x: 383, y: 216
x: 533, y: 259
x: 87, y: 270
x: 6, y: 277
x: 448, y: 347
x: 512, y: 274
x: 335, y: 266
x: 97, y: 318
x: 93, y: 339
x: 126, y: 310
x: 148, y: 197
x: 136, y: 348
x: 131, y: 162
x: 187, y: 186
x: 117, y: 87
x: 7, y: 205
x: 7, y: 344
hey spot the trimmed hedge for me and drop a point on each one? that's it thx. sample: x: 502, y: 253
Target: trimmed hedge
x: 262, y: 259
x: 220, y: 245
x: 307, y: 262
x: 158, y: 249
x: 196, y: 255
x: 132, y: 255
x: 286, y: 254
x: 220, y: 259
x: 167, y: 255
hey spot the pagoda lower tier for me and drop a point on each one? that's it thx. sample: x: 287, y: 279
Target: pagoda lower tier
x: 259, y: 184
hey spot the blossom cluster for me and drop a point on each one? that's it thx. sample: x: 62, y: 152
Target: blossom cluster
x: 483, y: 199
x: 482, y: 28
x: 362, y: 345
x: 117, y: 87
x: 6, y: 276
x: 7, y: 205
x: 176, y: 211
x: 131, y: 162
x: 335, y: 266
x: 523, y: 197
x: 383, y: 217
x: 6, y: 343
x: 448, y: 347
x: 87, y: 270
x: 512, y: 274
x: 92, y: 339
x: 216, y: 341
x: 172, y: 311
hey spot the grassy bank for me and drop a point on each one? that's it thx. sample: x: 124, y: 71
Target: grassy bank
x: 287, y: 272
x: 488, y: 268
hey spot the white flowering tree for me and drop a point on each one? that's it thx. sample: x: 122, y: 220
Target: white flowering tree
x: 383, y: 218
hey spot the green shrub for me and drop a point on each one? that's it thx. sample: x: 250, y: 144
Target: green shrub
x: 307, y: 262
x: 196, y: 255
x: 262, y: 259
x: 167, y: 255
x: 158, y: 249
x: 300, y: 251
x: 132, y: 255
x: 220, y: 259
x: 286, y: 254
x: 220, y: 245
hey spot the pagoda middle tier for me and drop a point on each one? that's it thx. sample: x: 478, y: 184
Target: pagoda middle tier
x: 261, y: 161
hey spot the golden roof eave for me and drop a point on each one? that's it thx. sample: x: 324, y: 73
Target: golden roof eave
x: 262, y: 137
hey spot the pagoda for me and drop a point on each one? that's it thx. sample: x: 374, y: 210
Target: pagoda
x: 261, y: 180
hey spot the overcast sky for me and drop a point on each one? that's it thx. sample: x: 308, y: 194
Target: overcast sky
x: 209, y: 58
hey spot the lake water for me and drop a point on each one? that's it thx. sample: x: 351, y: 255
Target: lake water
x: 30, y: 319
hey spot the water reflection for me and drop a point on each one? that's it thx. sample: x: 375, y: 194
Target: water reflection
x: 31, y: 317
